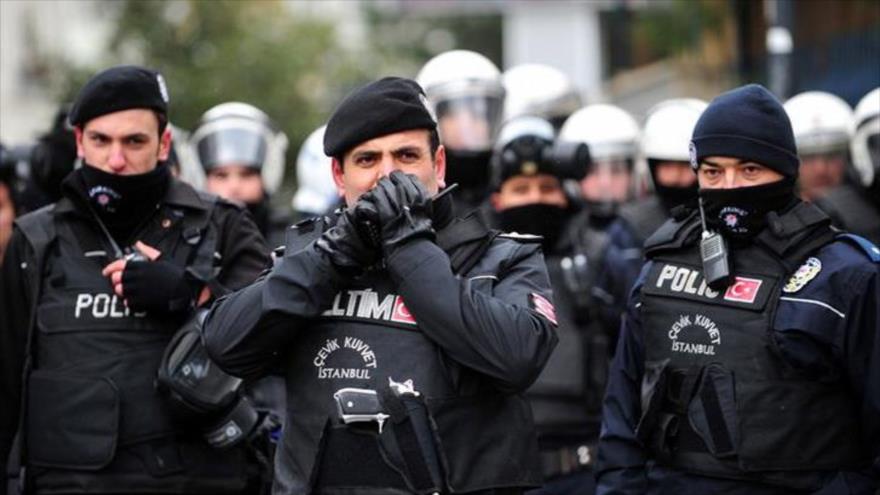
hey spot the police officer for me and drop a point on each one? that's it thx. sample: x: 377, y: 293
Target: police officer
x: 855, y: 204
x: 7, y: 206
x: 612, y: 135
x: 527, y: 173
x: 822, y: 126
x: 539, y: 90
x: 93, y: 287
x: 748, y: 357
x: 242, y: 154
x: 408, y: 336
x: 316, y: 192
x: 465, y: 92
x: 665, y: 139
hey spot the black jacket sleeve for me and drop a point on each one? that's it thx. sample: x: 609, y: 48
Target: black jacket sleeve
x: 495, y: 333
x: 498, y: 334
x: 247, y: 329
x: 15, y: 299
x: 242, y: 249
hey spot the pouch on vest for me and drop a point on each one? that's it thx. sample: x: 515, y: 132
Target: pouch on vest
x: 712, y: 411
x: 73, y: 421
x: 654, y: 426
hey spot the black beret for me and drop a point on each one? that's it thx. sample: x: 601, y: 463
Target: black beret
x: 383, y: 107
x: 120, y: 88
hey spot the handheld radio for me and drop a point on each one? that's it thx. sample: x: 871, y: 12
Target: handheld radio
x: 713, y: 253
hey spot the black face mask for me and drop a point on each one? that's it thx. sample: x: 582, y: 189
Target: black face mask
x: 123, y: 201
x: 671, y: 197
x: 469, y: 169
x: 741, y: 213
x: 540, y: 219
x: 260, y: 213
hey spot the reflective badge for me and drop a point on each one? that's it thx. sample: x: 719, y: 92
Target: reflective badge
x: 803, y: 275
x: 163, y: 89
x: 544, y: 307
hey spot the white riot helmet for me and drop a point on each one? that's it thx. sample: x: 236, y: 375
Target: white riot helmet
x: 865, y: 145
x: 540, y: 91
x: 465, y: 91
x: 242, y: 134
x: 821, y: 122
x: 666, y: 137
x: 609, y: 131
x: 187, y: 164
x: 316, y: 191
x: 668, y: 129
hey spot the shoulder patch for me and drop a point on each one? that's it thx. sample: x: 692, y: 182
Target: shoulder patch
x: 516, y: 236
x: 544, y: 307
x: 803, y: 275
x: 865, y: 245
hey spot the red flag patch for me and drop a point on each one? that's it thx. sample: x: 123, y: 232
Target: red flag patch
x: 401, y: 314
x: 743, y: 290
x: 544, y: 307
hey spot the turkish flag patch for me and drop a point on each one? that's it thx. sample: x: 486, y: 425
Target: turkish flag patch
x: 400, y: 313
x: 743, y: 290
x: 544, y: 307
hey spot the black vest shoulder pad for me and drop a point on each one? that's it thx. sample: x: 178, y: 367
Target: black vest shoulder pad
x: 38, y: 227
x: 466, y: 240
x: 644, y: 217
x: 300, y: 234
x: 796, y: 233
x: 673, y: 234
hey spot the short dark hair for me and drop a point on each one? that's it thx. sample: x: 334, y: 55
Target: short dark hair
x: 433, y: 145
x: 163, y: 121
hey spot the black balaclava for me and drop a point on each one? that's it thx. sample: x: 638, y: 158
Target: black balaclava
x: 123, y: 202
x: 748, y: 123
x: 260, y: 211
x: 469, y: 169
x: 671, y: 196
x: 741, y: 213
x: 541, y: 219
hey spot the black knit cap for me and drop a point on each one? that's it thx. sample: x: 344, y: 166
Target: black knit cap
x: 386, y: 106
x: 120, y: 88
x: 747, y: 123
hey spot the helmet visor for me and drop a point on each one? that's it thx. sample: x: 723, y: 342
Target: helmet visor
x: 469, y: 123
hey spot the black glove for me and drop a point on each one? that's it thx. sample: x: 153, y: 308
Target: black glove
x: 157, y: 286
x: 345, y: 247
x: 401, y: 208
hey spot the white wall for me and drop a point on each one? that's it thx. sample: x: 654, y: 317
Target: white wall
x: 563, y: 34
x: 75, y: 31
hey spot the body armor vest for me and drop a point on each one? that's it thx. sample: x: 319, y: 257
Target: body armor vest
x: 852, y: 209
x: 573, y: 378
x: 644, y: 217
x: 718, y: 399
x: 366, y: 337
x: 94, y: 421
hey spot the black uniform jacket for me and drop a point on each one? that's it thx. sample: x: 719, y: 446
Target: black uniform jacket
x: 240, y: 255
x: 481, y: 337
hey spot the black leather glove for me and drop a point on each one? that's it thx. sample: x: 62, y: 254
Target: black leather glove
x: 344, y: 246
x: 157, y: 286
x: 401, y: 208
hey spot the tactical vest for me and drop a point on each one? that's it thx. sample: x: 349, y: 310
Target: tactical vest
x: 94, y: 421
x: 566, y: 396
x: 367, y: 336
x: 718, y: 398
x: 644, y: 217
x: 851, y: 209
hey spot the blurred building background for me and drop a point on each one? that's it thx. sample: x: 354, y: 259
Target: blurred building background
x: 295, y: 59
